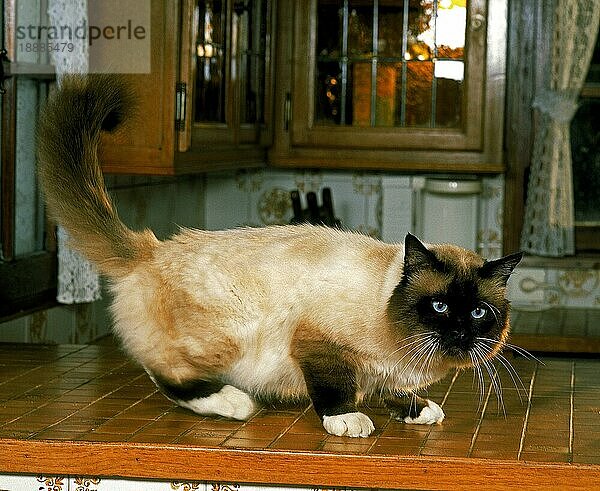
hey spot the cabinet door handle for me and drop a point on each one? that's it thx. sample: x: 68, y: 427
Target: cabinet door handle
x: 287, y: 111
x: 180, y: 102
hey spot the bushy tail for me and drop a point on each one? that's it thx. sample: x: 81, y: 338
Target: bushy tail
x: 70, y: 175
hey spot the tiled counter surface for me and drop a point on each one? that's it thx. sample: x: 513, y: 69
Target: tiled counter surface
x: 88, y: 411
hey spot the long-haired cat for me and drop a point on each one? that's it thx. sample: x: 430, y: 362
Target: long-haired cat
x: 222, y: 320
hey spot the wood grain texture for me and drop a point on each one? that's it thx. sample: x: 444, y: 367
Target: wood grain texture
x: 174, y: 462
x: 147, y: 144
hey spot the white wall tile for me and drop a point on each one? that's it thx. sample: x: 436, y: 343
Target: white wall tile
x: 14, y: 331
x: 261, y: 197
x: 73, y: 483
x: 526, y: 286
x: 33, y: 483
x: 112, y: 484
x: 396, y: 208
x: 226, y: 205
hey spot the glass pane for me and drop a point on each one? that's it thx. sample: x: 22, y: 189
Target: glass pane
x: 450, y: 28
x: 419, y: 75
x: 360, y: 29
x: 386, y: 100
x: 389, y: 39
x: 585, y: 151
x: 421, y: 31
x: 329, y: 29
x: 411, y: 75
x: 252, y: 44
x: 448, y: 101
x: 328, y: 100
x: 388, y: 77
x: 211, y: 49
x: 361, y: 94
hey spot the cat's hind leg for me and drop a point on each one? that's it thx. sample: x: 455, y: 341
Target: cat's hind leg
x: 230, y: 402
x: 413, y: 409
x: 208, y: 398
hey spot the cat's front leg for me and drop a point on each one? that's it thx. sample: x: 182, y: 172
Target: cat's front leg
x: 414, y: 409
x: 331, y: 383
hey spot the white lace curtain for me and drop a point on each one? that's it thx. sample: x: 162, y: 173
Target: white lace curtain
x: 548, y: 228
x: 78, y: 281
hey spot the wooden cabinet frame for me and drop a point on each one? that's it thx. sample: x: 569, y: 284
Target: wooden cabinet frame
x: 476, y: 147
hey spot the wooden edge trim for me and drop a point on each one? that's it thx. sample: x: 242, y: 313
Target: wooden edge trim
x: 155, y: 461
x: 557, y: 343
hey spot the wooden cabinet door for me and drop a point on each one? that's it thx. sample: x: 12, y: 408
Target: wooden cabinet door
x: 225, y: 67
x: 168, y: 135
x: 392, y: 84
x: 146, y: 145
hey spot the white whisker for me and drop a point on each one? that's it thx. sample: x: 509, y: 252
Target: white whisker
x: 404, y: 346
x: 521, y: 351
x: 478, y: 372
x: 415, y: 360
x: 495, y: 312
x: 496, y: 384
x: 514, y: 375
x: 415, y: 348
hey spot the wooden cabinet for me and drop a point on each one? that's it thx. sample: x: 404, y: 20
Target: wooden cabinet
x: 402, y: 85
x: 413, y: 85
x: 204, y: 105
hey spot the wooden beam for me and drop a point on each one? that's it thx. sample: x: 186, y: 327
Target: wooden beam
x: 177, y: 462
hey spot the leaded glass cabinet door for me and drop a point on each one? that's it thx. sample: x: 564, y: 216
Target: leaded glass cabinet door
x: 226, y: 62
x: 382, y: 75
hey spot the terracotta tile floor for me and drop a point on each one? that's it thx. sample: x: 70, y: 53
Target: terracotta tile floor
x: 93, y: 393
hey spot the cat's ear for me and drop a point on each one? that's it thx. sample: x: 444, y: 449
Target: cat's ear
x: 501, y: 268
x: 416, y: 256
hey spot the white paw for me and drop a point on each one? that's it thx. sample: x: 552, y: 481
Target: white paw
x: 430, y: 414
x: 229, y: 402
x: 349, y: 424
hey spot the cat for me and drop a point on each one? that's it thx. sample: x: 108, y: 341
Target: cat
x: 223, y: 321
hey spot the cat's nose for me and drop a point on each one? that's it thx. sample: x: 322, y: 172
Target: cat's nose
x: 460, y: 335
x: 462, y: 340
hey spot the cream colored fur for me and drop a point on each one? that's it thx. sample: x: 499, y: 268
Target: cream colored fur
x: 229, y: 303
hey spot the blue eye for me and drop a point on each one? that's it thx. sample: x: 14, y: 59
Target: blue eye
x: 478, y: 313
x: 439, y: 307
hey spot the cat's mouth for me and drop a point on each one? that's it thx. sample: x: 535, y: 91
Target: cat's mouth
x: 469, y: 350
x: 472, y: 353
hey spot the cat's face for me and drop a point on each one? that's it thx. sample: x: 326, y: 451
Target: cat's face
x: 450, y: 303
